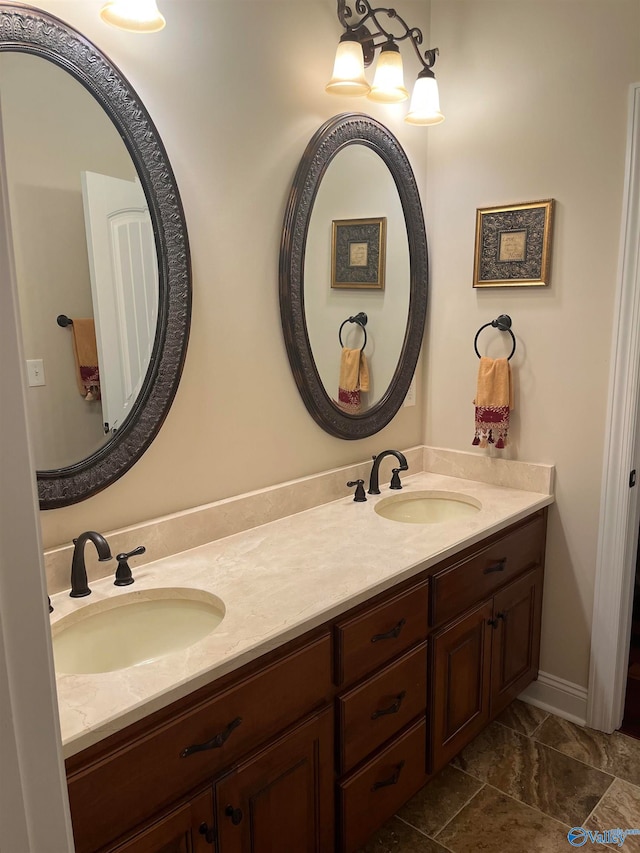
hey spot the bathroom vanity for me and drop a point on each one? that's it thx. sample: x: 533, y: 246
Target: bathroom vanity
x: 315, y: 742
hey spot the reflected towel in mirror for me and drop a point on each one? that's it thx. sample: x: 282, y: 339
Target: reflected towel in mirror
x: 493, y: 402
x: 85, y: 353
x: 354, y: 379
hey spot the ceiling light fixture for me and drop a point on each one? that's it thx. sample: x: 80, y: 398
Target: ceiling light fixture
x: 136, y: 16
x: 357, y: 49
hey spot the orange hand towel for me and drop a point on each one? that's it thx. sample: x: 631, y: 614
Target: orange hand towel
x: 85, y: 352
x: 354, y: 378
x: 493, y: 402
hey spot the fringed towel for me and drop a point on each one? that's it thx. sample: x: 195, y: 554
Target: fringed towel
x: 86, y: 355
x: 354, y: 378
x: 493, y: 402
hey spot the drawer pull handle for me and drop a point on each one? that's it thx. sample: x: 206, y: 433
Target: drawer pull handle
x: 392, y: 709
x: 234, y: 814
x: 215, y: 743
x: 206, y: 830
x: 390, y: 635
x: 498, y: 566
x: 392, y: 780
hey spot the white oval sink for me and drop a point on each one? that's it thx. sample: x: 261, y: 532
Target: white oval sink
x: 133, y: 628
x: 430, y: 507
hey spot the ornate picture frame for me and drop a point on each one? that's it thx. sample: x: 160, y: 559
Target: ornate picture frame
x: 358, y: 253
x: 513, y: 245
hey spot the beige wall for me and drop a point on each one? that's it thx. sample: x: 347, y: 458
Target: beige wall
x: 535, y: 95
x: 235, y: 119
x: 535, y: 98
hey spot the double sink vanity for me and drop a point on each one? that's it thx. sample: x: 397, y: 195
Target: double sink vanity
x: 289, y: 666
x: 337, y: 658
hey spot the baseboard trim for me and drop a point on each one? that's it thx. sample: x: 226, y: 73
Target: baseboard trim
x: 558, y: 696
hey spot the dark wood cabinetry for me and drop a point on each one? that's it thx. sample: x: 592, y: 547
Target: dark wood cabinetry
x: 461, y: 677
x: 489, y: 653
x: 282, y: 797
x: 311, y: 748
x: 186, y: 829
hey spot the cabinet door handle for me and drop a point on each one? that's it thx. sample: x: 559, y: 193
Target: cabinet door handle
x: 206, y: 830
x: 234, y: 814
x: 216, y: 741
x: 390, y: 635
x: 392, y: 709
x: 498, y: 566
x: 392, y: 780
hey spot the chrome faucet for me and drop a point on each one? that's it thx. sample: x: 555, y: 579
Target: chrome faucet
x: 79, y: 585
x: 374, y: 488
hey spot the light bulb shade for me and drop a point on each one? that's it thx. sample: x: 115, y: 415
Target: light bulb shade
x: 388, y: 82
x: 348, y: 71
x: 425, y: 102
x: 137, y: 16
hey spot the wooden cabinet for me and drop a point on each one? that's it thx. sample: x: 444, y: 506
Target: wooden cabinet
x: 129, y: 778
x: 515, y: 647
x: 461, y: 676
x: 282, y: 797
x: 486, y: 607
x: 358, y: 714
x: 381, y: 660
x: 186, y: 829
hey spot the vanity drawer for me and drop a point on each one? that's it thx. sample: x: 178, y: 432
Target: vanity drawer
x: 374, y: 637
x: 375, y: 710
x: 125, y: 787
x: 372, y: 794
x: 469, y: 581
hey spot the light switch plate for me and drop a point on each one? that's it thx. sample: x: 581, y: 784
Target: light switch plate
x: 35, y: 372
x: 410, y: 399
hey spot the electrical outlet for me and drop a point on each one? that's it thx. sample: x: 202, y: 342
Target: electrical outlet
x: 35, y: 372
x: 410, y: 399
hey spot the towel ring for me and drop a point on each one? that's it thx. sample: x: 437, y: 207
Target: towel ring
x: 503, y: 322
x: 361, y: 320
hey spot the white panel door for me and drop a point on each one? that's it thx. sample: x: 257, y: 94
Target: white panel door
x: 124, y: 287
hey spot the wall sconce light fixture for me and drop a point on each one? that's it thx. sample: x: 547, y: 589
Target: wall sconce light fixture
x: 357, y: 49
x: 137, y: 16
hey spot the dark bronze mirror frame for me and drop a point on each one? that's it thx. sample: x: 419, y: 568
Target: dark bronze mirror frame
x: 332, y: 137
x: 29, y: 30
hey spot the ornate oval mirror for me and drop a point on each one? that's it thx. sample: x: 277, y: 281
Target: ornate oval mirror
x: 99, y: 234
x: 353, y: 273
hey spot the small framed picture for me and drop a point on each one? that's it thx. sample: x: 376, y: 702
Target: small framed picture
x: 358, y: 250
x: 513, y: 245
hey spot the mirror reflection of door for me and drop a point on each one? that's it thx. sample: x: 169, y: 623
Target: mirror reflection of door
x: 357, y: 185
x: 124, y: 287
x: 53, y: 130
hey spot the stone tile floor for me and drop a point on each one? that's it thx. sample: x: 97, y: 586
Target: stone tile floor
x: 521, y: 785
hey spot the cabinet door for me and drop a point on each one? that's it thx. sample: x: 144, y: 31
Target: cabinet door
x: 186, y: 829
x: 281, y: 799
x: 516, y: 639
x: 461, y: 683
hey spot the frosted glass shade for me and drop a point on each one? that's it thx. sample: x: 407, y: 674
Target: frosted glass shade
x: 388, y: 82
x: 138, y: 16
x: 425, y: 103
x: 348, y: 71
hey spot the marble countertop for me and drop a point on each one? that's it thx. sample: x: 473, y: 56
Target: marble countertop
x: 277, y: 581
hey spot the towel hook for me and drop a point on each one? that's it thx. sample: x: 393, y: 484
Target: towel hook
x: 360, y: 320
x: 63, y: 320
x: 503, y: 323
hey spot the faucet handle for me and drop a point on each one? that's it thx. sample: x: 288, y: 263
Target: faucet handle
x: 395, y: 478
x: 359, y: 496
x: 123, y: 572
